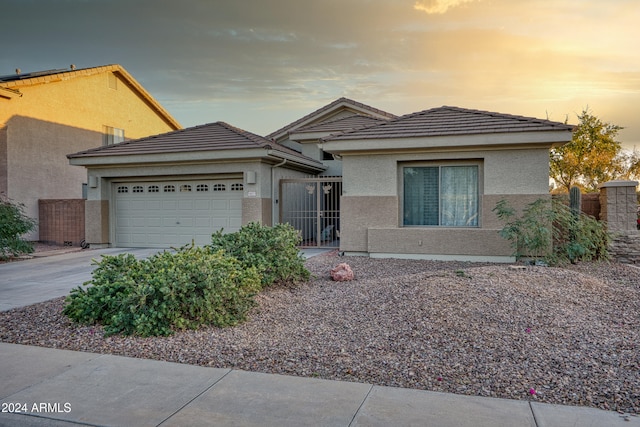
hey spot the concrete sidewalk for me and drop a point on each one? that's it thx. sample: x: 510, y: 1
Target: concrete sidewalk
x: 64, y: 388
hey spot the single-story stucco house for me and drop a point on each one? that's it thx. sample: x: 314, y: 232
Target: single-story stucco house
x: 421, y: 185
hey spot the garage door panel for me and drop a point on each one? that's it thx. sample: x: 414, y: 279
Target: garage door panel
x: 124, y: 238
x: 202, y: 205
x: 185, y: 222
x: 137, y: 222
x: 169, y: 222
x: 124, y: 204
x: 203, y: 222
x: 153, y: 217
x: 153, y: 222
x: 122, y: 221
x: 219, y: 223
x: 220, y: 205
x: 137, y: 204
x: 138, y: 238
x: 186, y: 204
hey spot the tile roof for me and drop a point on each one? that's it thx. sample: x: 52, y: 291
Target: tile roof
x: 342, y: 124
x: 208, y: 137
x: 326, y: 108
x: 14, y: 82
x: 447, y: 120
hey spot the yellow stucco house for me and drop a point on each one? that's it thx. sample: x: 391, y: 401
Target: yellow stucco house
x: 46, y: 115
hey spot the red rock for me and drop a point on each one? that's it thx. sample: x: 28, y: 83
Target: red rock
x: 342, y: 272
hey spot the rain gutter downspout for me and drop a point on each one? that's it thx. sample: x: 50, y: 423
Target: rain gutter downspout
x: 274, y: 211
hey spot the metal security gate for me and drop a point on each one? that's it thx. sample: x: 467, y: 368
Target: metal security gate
x: 312, y: 206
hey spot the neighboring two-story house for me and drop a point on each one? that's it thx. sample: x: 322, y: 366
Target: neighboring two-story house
x: 46, y: 115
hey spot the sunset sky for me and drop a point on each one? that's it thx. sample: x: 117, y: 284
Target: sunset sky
x: 260, y: 64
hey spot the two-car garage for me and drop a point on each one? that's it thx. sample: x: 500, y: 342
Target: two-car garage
x: 172, y: 189
x: 162, y: 214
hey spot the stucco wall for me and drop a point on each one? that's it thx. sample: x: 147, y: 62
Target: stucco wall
x: 372, y: 198
x: 97, y: 223
x: 3, y: 160
x: 37, y: 167
x: 256, y: 210
x: 56, y: 118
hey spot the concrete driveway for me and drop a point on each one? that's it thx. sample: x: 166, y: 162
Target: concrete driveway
x: 40, y: 279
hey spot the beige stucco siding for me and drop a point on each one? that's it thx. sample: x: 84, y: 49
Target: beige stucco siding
x: 360, y: 213
x: 87, y: 102
x: 96, y: 222
x: 370, y: 175
x: 3, y: 160
x: 432, y: 241
x: 371, y: 205
x: 517, y: 171
x: 256, y: 210
x: 37, y: 166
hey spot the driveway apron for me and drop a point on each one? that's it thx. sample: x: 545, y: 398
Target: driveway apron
x: 40, y: 279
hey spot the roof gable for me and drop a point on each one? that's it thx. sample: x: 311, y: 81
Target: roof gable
x: 331, y: 112
x: 16, y: 81
x: 448, y: 120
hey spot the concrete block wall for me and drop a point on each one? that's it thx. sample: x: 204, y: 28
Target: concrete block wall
x: 619, y: 205
x: 61, y: 221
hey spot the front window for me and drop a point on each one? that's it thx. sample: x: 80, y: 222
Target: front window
x: 444, y: 196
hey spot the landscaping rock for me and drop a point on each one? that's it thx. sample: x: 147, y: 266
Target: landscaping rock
x: 572, y: 334
x: 342, y: 272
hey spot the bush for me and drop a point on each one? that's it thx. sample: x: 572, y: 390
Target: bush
x: 13, y: 225
x: 272, y: 250
x: 577, y: 237
x: 167, y: 291
x: 550, y: 231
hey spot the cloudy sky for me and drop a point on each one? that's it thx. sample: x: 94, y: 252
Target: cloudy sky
x: 260, y: 64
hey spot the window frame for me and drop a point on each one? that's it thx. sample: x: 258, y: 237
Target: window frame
x: 112, y: 135
x: 478, y: 163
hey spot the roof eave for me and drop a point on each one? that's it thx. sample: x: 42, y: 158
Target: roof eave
x: 306, y: 137
x: 165, y: 158
x: 303, y: 163
x: 447, y: 142
x: 214, y: 156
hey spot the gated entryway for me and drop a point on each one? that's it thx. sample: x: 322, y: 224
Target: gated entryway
x: 312, y: 206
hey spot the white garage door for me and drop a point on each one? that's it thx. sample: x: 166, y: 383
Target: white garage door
x: 173, y: 213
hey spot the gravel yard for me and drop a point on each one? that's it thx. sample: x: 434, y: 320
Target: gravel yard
x: 557, y: 335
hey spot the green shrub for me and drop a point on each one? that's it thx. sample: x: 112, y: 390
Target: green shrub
x: 272, y: 250
x: 165, y: 292
x: 551, y: 231
x: 577, y: 237
x: 530, y: 234
x: 13, y: 225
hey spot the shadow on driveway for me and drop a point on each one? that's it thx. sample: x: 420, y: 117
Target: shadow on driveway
x: 40, y: 279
